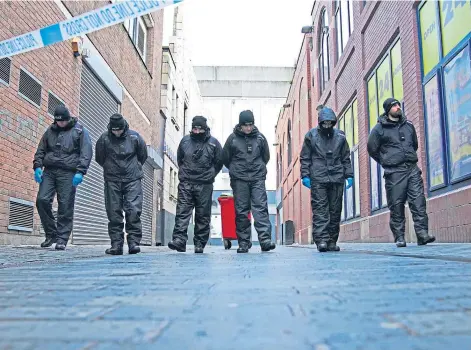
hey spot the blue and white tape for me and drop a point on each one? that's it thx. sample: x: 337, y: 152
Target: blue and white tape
x: 80, y: 25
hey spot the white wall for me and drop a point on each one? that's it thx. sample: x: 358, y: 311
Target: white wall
x: 225, y: 115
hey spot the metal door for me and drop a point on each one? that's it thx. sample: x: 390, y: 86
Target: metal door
x: 147, y: 204
x: 96, y: 106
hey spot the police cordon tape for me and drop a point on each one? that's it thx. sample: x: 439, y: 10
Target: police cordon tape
x: 80, y: 25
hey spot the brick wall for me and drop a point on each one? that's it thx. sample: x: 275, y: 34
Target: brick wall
x: 376, y: 26
x: 22, y: 124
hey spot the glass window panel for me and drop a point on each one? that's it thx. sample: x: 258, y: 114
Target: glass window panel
x: 349, y: 127
x: 396, y: 62
x: 384, y: 81
x: 455, y: 22
x: 374, y: 185
x: 350, y: 10
x: 457, y: 77
x: 355, y: 122
x: 429, y: 35
x: 356, y: 172
x: 436, y: 162
x: 384, y: 200
x: 372, y: 101
x: 339, y: 34
x: 345, y: 28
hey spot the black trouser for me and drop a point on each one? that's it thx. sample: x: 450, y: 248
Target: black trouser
x: 406, y: 183
x: 57, y: 181
x: 251, y: 196
x: 199, y: 197
x: 127, y: 197
x: 326, y: 204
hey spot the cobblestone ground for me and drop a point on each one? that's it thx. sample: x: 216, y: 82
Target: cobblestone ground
x: 365, y: 297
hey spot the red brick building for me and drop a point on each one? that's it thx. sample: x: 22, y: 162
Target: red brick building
x: 363, y: 52
x: 119, y: 71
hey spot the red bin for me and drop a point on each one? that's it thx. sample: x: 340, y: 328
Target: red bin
x: 228, y: 219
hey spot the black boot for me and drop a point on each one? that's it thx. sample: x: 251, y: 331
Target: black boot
x: 401, y: 242
x: 60, y: 245
x: 332, y: 247
x: 115, y: 250
x: 48, y: 242
x: 177, y: 245
x: 267, y: 246
x: 322, y: 247
x: 199, y: 249
x: 134, y: 248
x: 423, y: 240
x: 243, y: 248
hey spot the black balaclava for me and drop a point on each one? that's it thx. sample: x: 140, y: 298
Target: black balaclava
x: 327, y: 120
x: 199, y: 122
x: 61, y: 113
x: 117, y: 122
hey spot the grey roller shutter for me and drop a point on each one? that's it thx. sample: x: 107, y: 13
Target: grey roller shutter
x: 147, y: 204
x: 96, y: 107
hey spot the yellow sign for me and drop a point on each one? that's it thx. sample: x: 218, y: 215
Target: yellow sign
x: 429, y: 34
x: 396, y: 63
x: 355, y: 122
x: 372, y: 101
x: 455, y: 22
x: 384, y: 81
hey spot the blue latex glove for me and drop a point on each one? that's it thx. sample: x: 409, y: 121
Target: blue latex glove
x: 38, y: 175
x: 78, y: 178
x: 307, y: 182
x: 349, y: 182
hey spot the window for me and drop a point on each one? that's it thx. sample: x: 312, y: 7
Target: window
x: 52, y: 102
x: 171, y: 190
x: 348, y: 122
x: 30, y: 88
x: 289, y: 144
x: 385, y: 82
x: 137, y: 31
x: 324, y: 64
x: 344, y: 23
x: 5, y: 70
x: 445, y: 37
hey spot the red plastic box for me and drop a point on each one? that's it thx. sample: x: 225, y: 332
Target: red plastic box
x: 228, y: 219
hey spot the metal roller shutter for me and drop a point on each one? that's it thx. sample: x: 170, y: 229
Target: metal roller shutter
x: 96, y: 107
x: 147, y: 205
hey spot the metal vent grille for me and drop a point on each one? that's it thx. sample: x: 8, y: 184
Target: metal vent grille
x: 52, y: 103
x: 54, y: 213
x: 21, y: 215
x: 5, y: 70
x: 30, y: 88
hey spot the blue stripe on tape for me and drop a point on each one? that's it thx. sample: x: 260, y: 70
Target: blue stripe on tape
x: 51, y: 35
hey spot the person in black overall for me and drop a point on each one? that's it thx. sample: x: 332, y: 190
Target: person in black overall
x: 65, y: 153
x: 122, y: 153
x: 246, y: 154
x: 199, y: 158
x: 325, y: 166
x: 393, y: 144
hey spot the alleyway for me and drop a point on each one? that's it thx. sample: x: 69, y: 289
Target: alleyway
x: 293, y: 298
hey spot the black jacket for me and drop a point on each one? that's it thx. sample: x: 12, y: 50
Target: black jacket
x: 246, y: 156
x: 121, y: 157
x: 68, y: 148
x: 326, y: 158
x: 199, y: 161
x: 393, y: 144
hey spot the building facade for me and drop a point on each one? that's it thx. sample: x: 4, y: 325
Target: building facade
x: 363, y: 52
x: 226, y: 92
x: 180, y: 100
x: 119, y: 70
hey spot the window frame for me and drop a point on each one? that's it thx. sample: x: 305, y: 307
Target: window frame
x: 382, y: 202
x: 354, y: 149
x: 289, y: 145
x: 323, y: 37
x: 438, y: 72
x: 339, y: 28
